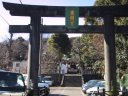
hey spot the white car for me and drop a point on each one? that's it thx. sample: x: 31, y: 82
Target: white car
x: 48, y: 80
x: 97, y: 89
x: 41, y: 83
x: 43, y: 86
x: 89, y: 84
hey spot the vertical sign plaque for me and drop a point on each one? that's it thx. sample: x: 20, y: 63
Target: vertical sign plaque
x: 72, y: 17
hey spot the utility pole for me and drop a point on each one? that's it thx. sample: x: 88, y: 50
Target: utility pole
x: 40, y: 57
x: 29, y: 64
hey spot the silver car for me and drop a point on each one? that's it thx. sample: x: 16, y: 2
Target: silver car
x: 89, y: 84
x: 49, y: 80
x: 97, y: 89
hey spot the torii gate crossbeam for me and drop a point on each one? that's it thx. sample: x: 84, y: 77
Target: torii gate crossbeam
x: 62, y: 29
x: 59, y: 11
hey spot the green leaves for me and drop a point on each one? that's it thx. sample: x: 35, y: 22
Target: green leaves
x: 59, y: 43
x: 122, y: 52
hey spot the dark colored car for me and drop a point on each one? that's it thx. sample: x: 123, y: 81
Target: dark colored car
x: 11, y: 84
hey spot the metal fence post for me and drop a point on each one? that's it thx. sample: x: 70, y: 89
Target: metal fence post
x: 103, y: 92
x: 98, y: 90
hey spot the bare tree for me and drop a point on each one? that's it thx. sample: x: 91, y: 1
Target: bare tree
x: 9, y: 53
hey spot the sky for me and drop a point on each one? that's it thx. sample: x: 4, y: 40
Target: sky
x: 6, y: 19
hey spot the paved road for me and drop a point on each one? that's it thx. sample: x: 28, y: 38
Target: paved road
x: 66, y: 91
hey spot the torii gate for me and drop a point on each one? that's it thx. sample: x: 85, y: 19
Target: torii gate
x: 107, y: 12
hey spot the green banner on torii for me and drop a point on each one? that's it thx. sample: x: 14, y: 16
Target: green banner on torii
x: 72, y: 17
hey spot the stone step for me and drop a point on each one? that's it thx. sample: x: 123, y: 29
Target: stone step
x: 72, y: 80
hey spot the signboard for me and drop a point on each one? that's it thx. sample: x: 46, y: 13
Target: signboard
x: 72, y: 17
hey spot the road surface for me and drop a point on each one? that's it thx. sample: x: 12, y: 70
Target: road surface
x: 66, y: 91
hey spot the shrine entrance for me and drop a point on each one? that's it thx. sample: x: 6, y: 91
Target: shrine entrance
x: 108, y: 29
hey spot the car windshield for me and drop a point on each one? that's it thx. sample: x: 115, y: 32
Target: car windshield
x: 47, y: 78
x: 11, y: 81
x: 25, y: 77
x: 100, y: 84
x: 41, y: 79
x: 92, y: 82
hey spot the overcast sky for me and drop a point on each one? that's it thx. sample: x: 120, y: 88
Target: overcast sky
x: 6, y: 19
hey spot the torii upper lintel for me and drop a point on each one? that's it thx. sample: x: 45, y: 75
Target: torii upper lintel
x: 59, y: 11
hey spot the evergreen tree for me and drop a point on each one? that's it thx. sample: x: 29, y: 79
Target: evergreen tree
x: 59, y: 44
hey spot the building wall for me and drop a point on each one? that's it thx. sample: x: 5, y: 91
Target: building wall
x: 46, y: 68
x: 20, y: 67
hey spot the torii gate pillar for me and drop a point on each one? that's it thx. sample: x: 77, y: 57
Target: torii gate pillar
x: 35, y: 45
x: 110, y: 57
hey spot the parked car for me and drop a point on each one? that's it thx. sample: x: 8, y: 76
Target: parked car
x: 97, y: 89
x: 49, y: 80
x: 11, y: 84
x: 89, y: 84
x: 43, y: 86
x: 25, y: 76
